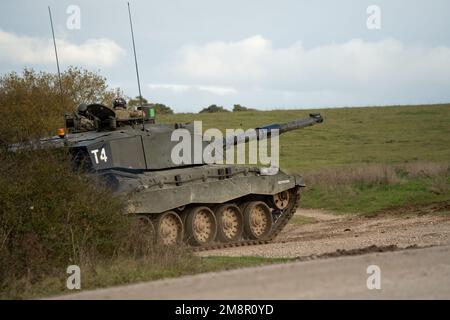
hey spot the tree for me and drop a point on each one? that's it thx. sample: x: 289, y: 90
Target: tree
x: 136, y: 102
x: 239, y: 108
x: 83, y: 86
x: 159, y: 107
x: 32, y: 105
x: 213, y: 109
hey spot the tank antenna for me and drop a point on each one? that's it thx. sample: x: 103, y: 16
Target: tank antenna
x: 56, y: 54
x: 136, y: 65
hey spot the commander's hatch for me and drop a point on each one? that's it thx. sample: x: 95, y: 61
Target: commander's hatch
x: 104, y: 117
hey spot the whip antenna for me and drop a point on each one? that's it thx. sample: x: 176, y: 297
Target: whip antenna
x: 136, y: 65
x: 56, y: 53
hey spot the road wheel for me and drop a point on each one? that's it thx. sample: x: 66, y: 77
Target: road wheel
x: 201, y: 226
x: 257, y: 220
x: 281, y: 200
x: 230, y: 223
x: 169, y: 228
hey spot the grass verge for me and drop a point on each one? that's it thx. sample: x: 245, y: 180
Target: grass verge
x: 127, y: 271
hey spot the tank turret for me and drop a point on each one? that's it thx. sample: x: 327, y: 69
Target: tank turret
x: 136, y: 144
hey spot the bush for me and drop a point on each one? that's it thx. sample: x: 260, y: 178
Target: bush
x: 239, y: 108
x: 159, y: 107
x: 52, y: 217
x: 213, y: 109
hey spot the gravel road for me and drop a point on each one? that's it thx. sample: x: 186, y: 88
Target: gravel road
x: 331, y: 233
x: 406, y: 274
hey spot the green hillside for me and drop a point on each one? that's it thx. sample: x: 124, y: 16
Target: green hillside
x: 349, y: 136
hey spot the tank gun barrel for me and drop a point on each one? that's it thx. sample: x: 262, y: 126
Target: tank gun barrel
x: 313, y: 119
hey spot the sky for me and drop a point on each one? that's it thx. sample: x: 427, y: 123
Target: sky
x: 261, y: 54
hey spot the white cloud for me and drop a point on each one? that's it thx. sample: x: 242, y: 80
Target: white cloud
x: 354, y: 65
x: 182, y: 88
x: 169, y: 86
x: 32, y: 50
x: 219, y: 90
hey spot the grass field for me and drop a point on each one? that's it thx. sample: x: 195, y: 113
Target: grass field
x: 358, y: 138
x: 348, y: 136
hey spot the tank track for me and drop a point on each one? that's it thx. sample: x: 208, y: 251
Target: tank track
x: 278, y: 226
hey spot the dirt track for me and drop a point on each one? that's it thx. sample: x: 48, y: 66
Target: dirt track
x: 333, y: 234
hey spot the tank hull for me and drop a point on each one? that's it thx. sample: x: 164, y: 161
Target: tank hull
x: 158, y: 191
x: 209, y: 206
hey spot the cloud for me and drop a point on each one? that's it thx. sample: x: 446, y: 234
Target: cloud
x: 354, y: 65
x: 182, y: 88
x: 32, y: 50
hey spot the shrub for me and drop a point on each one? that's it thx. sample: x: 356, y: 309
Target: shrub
x: 213, y: 109
x: 239, y: 108
x: 51, y: 217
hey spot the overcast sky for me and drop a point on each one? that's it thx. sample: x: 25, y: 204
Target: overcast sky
x: 263, y: 54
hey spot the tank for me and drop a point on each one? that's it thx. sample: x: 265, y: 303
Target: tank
x: 202, y: 205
